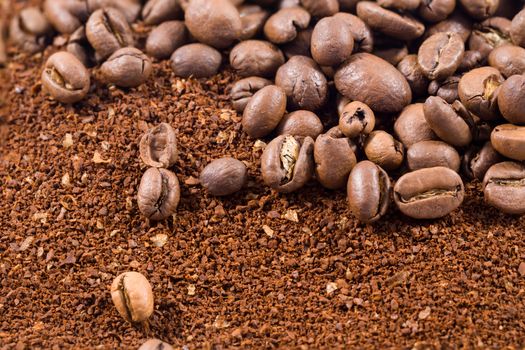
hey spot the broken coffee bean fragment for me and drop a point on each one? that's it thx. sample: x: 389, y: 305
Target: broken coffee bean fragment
x: 132, y: 295
x: 158, y: 194
x: 158, y: 146
x: 224, y: 176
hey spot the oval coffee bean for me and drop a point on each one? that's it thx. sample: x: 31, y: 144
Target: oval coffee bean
x: 65, y: 78
x: 300, y: 123
x: 414, y: 75
x: 127, y: 67
x: 429, y: 193
x: 373, y: 81
x: 368, y: 192
x: 196, y: 60
x: 132, y: 295
x: 224, y: 176
x: 216, y: 23
x: 480, y: 9
x: 508, y: 59
x: 511, y: 99
x: 477, y: 161
x: 243, y: 90
x: 167, y: 37
x: 283, y: 26
x: 440, y: 55
x: 66, y: 16
x: 451, y: 123
x: 362, y: 34
x: 517, y: 29
x: 80, y: 48
x: 155, y: 344
x: 159, y: 11
x: 411, y: 126
x: 489, y: 34
x: 436, y: 10
x: 264, y: 111
x: 382, y: 149
x: 356, y: 119
x: 334, y: 159
x: 477, y: 90
x: 509, y: 141
x: 287, y: 163
x: 253, y: 18
x: 321, y: 8
x: 429, y: 154
x: 446, y: 89
x: 504, y: 187
x: 256, y: 58
x: 158, y: 194
x: 303, y: 82
x: 332, y: 42
x: 158, y: 146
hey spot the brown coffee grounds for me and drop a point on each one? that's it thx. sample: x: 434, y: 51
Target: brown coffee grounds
x: 253, y: 270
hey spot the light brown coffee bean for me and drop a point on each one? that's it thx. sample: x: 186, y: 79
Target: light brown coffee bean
x: 164, y: 39
x: 429, y: 154
x: 332, y: 42
x: 362, y: 34
x: 489, y: 34
x: 356, y: 119
x: 127, y: 67
x: 478, y: 89
x: 159, y: 11
x: 155, y: 344
x: 411, y: 126
x: 253, y: 18
x: 243, y: 90
x: 477, y: 161
x: 480, y: 9
x: 321, y: 8
x: 282, y: 27
x: 300, y: 123
x: 66, y: 16
x: 29, y: 30
x: 436, y: 10
x: 509, y: 141
x: 196, y: 60
x: 508, y: 59
x: 158, y: 194
x: 224, y: 176
x: 440, y: 55
x: 158, y: 146
x: 517, y: 29
x: 264, y: 111
x: 511, y: 99
x: 381, y: 148
x: 132, y: 295
x: 256, y: 58
x: 504, y: 187
x: 80, y: 48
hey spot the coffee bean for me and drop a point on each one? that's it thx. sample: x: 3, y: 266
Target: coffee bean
x: 216, y: 23
x: 256, y: 57
x: 511, y: 99
x: 481, y: 131
x: 158, y: 194
x: 164, y: 39
x: 224, y: 176
x: 402, y: 5
x: 429, y: 154
x: 509, y: 140
x: 253, y: 18
x: 446, y: 89
x: 488, y: 35
x: 66, y: 16
x: 300, y: 46
x: 478, y: 91
x: 127, y: 67
x: 363, y: 37
x: 243, y: 90
x: 29, y: 30
x: 159, y: 11
x: 477, y: 160
x: 480, y: 9
x: 303, y: 82
x: 451, y: 123
x: 411, y: 126
x: 471, y: 59
x: 373, y: 81
x: 440, y: 55
x: 332, y: 42
x: 504, y: 187
x: 398, y: 26
x: 196, y: 60
x: 264, y: 111
x: 382, y: 149
x: 300, y: 123
x: 80, y: 48
x: 321, y: 8
x: 158, y: 146
x: 129, y: 8
x: 414, y: 75
x: 517, y: 29
x: 65, y: 78
x: 356, y: 119
x: 287, y: 163
x: 368, y: 192
x: 508, y: 59
x: 436, y: 10
x: 283, y: 26
x: 429, y: 193
x: 456, y: 23
x: 107, y: 31
x: 132, y: 295
x: 155, y: 344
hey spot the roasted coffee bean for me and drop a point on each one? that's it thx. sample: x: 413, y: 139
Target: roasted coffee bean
x: 373, y: 81
x: 508, y: 59
x: 477, y: 160
x: 382, y: 149
x: 66, y: 16
x: 480, y: 9
x: 391, y: 50
x: 478, y: 91
x: 196, y: 60
x: 216, y: 23
x: 362, y: 34
x: 517, y: 29
x: 107, y: 31
x: 158, y: 146
x: 129, y: 8
x: 456, y: 23
x: 504, y: 187
x: 356, y: 119
x: 321, y: 8
x: 243, y: 90
x: 127, y: 67
x: 436, y: 10
x: 471, y: 59
x: 411, y: 126
x: 334, y: 159
x: 303, y: 82
x: 224, y: 176
x: 78, y: 45
x: 29, y: 30
x: 399, y: 26
x: 253, y: 18
x: 440, y: 55
x: 446, y: 89
x: 509, y: 141
x: 402, y: 5
x: 368, y: 191
x: 332, y: 42
x: 65, y: 78
x: 164, y: 39
x: 159, y: 11
x: 429, y: 193
x: 414, y: 75
x: 256, y: 57
x: 429, y: 154
x: 451, y: 123
x: 488, y: 35
x: 155, y: 344
x: 158, y: 194
x: 300, y: 123
x: 264, y: 111
x: 511, y: 99
x: 287, y: 163
x: 300, y: 46
x: 132, y: 295
x: 283, y: 26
